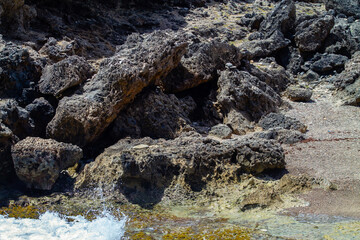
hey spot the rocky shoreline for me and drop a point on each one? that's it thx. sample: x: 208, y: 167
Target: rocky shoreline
x: 177, y: 103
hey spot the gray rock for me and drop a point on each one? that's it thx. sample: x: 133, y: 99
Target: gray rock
x: 60, y: 50
x: 41, y: 112
x: 141, y: 61
x: 278, y: 120
x: 328, y: 62
x: 310, y: 34
x: 282, y: 19
x: 251, y: 20
x: 63, y: 75
x: 342, y: 40
x: 16, y: 118
x: 355, y: 29
x: 17, y: 70
x: 295, y: 61
x: 38, y: 162
x: 298, y: 94
x: 154, y: 114
x: 141, y: 168
x: 200, y: 65
x: 348, y: 7
x: 310, y: 76
x: 348, y: 82
x: 240, y: 91
x: 283, y: 136
x: 221, y: 131
x: 264, y: 47
x: 268, y: 71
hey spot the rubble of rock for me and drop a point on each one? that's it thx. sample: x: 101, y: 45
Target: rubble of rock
x: 175, y: 84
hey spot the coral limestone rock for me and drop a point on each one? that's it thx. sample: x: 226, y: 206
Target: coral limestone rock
x: 38, y: 162
x: 82, y: 117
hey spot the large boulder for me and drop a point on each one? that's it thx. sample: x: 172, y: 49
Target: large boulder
x: 38, y: 162
x: 310, y: 34
x: 243, y: 92
x: 61, y: 76
x: 261, y: 47
x: 143, y: 167
x: 347, y: 7
x: 343, y: 38
x: 282, y: 19
x: 325, y: 63
x: 200, y: 65
x: 268, y: 71
x: 141, y: 61
x: 154, y: 114
x: 348, y: 81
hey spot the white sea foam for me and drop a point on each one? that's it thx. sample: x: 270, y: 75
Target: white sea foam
x: 50, y: 226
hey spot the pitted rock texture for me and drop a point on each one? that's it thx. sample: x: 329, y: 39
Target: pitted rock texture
x: 200, y: 64
x: 16, y: 118
x: 282, y: 19
x: 141, y: 61
x: 38, y: 162
x: 279, y: 120
x: 61, y: 76
x: 298, y: 94
x: 154, y: 114
x: 139, y: 166
x: 310, y: 34
x: 241, y: 91
x: 348, y: 82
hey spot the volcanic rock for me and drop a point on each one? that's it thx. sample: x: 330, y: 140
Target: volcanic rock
x: 154, y: 114
x: 63, y: 75
x: 200, y: 65
x: 38, y: 162
x: 278, y: 120
x: 298, y: 94
x: 141, y: 61
x: 139, y: 167
x: 310, y: 34
x: 243, y: 92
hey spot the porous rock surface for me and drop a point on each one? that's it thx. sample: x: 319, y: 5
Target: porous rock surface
x: 63, y: 75
x: 82, y: 117
x: 140, y: 165
x: 154, y: 114
x: 348, y: 81
x: 38, y: 162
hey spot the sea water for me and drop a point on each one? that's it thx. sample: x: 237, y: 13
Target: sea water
x: 52, y: 226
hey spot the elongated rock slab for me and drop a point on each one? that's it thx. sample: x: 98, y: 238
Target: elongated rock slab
x: 141, y: 61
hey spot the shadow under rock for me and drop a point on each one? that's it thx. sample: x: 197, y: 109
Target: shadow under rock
x: 97, y: 27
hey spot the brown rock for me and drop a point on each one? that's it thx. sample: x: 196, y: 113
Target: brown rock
x: 141, y: 61
x: 38, y: 162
